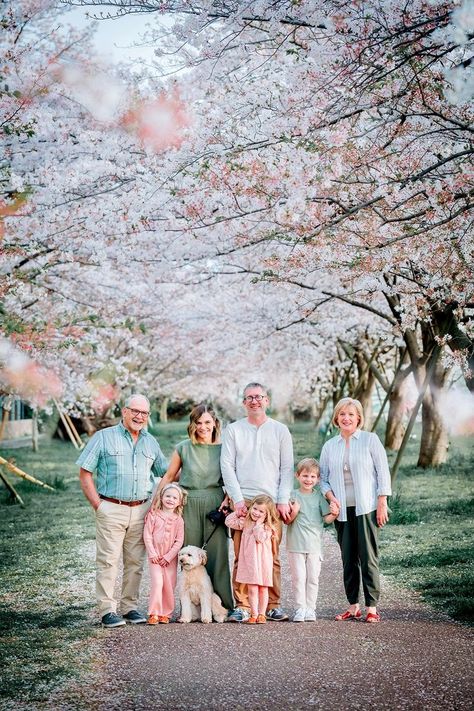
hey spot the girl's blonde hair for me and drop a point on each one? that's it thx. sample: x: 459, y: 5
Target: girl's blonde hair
x: 343, y: 403
x: 194, y: 416
x: 307, y: 464
x: 157, y: 504
x: 271, y: 519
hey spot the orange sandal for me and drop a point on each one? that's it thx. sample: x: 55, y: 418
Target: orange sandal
x: 347, y: 615
x: 372, y: 617
x: 250, y: 621
x: 261, y: 620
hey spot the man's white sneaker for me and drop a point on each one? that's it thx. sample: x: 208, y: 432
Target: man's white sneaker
x: 310, y: 616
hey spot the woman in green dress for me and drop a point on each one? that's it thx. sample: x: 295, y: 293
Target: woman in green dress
x: 196, y: 464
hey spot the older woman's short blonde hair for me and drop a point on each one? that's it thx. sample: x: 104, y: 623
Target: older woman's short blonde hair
x: 343, y: 403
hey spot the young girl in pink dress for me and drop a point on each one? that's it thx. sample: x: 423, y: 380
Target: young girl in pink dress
x: 163, y: 536
x: 255, y: 566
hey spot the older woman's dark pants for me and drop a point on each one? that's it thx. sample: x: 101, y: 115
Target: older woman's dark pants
x: 358, y: 540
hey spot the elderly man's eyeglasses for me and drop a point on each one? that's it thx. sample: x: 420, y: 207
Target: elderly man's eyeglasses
x: 135, y: 413
x: 251, y: 398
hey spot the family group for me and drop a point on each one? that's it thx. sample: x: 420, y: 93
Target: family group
x: 246, y: 473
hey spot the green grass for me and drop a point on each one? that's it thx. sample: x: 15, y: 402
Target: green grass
x: 47, y: 572
x: 47, y: 555
x: 428, y: 545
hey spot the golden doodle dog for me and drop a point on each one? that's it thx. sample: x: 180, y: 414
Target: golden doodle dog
x: 198, y: 599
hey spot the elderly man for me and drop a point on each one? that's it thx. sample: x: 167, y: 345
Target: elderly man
x: 257, y: 458
x: 126, y: 458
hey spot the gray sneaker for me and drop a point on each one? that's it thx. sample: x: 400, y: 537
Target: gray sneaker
x: 134, y: 617
x: 111, y: 619
x: 276, y: 615
x: 238, y: 615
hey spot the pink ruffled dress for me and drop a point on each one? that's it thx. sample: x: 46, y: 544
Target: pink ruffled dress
x: 255, y: 565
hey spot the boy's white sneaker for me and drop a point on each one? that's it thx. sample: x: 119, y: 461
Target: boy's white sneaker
x: 310, y: 616
x: 299, y: 615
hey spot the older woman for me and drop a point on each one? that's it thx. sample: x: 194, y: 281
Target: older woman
x: 196, y: 463
x: 355, y: 474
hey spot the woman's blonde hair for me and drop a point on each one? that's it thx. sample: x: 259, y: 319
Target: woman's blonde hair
x: 343, y: 403
x: 307, y: 463
x: 194, y: 416
x: 157, y: 504
x: 271, y: 519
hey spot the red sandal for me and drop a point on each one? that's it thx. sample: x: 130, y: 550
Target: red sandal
x: 372, y: 617
x: 347, y: 615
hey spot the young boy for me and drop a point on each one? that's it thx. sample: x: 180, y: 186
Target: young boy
x: 309, y: 512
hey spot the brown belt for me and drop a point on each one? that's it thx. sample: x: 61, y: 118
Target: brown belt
x: 124, y: 503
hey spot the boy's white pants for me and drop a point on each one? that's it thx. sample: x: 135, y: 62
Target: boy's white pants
x: 305, y: 569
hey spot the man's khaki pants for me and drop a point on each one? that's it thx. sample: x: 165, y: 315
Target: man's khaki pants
x: 240, y: 589
x: 119, y: 532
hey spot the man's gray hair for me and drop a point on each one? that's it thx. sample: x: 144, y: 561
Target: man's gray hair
x: 255, y: 385
x: 132, y: 397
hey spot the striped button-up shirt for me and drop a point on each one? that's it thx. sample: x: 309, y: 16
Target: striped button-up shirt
x: 125, y: 470
x: 369, y: 470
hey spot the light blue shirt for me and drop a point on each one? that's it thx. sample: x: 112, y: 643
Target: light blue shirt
x: 369, y: 469
x: 125, y: 470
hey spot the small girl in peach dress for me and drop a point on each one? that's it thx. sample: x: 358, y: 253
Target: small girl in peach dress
x: 163, y: 536
x: 255, y: 566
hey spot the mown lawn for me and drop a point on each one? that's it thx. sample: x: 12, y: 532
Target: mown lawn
x: 47, y: 616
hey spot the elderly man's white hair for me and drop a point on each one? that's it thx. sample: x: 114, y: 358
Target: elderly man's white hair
x: 135, y: 395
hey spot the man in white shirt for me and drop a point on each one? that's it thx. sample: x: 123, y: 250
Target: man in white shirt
x: 257, y: 458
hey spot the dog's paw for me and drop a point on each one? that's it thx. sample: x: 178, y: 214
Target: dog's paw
x: 184, y: 620
x: 206, y: 620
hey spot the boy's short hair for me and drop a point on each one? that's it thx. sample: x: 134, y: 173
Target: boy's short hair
x: 307, y: 463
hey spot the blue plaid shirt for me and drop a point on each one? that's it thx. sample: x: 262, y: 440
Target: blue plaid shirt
x: 125, y: 470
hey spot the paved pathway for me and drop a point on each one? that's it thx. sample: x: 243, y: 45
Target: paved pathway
x: 415, y: 659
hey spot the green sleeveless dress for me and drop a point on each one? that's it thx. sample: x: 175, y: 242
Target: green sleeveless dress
x: 201, y: 477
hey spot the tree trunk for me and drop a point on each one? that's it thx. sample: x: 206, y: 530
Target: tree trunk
x: 365, y: 389
x: 434, y: 435
x: 396, y: 424
x: 34, y: 431
x: 317, y: 410
x: 164, y: 410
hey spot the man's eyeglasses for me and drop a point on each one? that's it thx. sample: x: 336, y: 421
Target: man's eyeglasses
x: 251, y: 398
x: 135, y: 413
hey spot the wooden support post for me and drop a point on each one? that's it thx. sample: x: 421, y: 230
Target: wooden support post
x: 66, y: 425
x: 11, y: 489
x: 74, y: 431
x: 24, y: 475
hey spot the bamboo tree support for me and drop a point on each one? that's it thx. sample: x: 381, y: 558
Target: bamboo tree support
x: 14, y: 493
x: 66, y: 425
x: 429, y: 372
x: 74, y: 430
x: 24, y: 475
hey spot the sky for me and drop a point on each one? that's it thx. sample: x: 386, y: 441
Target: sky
x: 114, y: 38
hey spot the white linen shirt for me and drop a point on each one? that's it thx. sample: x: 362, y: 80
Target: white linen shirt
x: 369, y: 469
x: 257, y: 460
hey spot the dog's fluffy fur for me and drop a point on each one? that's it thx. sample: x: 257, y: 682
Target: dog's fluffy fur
x: 198, y: 600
